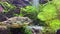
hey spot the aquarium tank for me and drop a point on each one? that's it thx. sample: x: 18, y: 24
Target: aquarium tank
x: 29, y: 16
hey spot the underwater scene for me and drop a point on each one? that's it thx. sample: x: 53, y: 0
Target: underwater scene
x: 29, y: 16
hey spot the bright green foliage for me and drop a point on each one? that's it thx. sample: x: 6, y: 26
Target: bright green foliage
x: 55, y: 24
x: 28, y: 31
x: 57, y: 2
x: 49, y: 15
x: 29, y: 11
x: 48, y: 12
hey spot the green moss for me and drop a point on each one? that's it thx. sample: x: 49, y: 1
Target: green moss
x: 47, y: 13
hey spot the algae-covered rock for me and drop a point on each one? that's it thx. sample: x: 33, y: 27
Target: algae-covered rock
x: 14, y: 23
x: 4, y: 29
x: 17, y: 21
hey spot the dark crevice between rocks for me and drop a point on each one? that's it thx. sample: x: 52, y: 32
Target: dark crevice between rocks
x: 17, y: 30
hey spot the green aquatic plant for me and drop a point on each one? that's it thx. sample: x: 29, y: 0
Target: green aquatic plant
x: 55, y: 24
x: 49, y: 15
x: 7, y: 6
x: 29, y: 11
x: 48, y: 12
x: 57, y: 2
x: 28, y: 31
